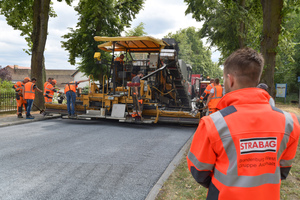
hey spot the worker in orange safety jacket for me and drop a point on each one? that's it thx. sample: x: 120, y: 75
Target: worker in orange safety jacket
x: 245, y: 149
x: 207, y: 89
x: 49, y: 81
x: 49, y: 91
x: 29, y: 95
x: 19, y: 86
x: 214, y: 97
x: 70, y: 91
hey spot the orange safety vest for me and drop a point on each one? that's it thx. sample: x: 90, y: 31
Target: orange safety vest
x: 207, y: 91
x: 48, y: 92
x: 218, y: 93
x: 29, y: 92
x: 71, y: 86
x: 244, y: 150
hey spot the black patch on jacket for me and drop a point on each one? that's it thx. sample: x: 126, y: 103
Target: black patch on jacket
x: 213, y: 192
x: 284, y: 172
x: 228, y: 110
x: 202, y: 177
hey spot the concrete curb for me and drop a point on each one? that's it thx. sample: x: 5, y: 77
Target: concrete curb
x: 169, y: 170
x: 29, y: 121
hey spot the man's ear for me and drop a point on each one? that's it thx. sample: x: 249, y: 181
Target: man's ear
x: 231, y: 80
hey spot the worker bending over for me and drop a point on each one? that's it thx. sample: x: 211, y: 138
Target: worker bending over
x: 29, y: 95
x: 19, y: 87
x: 244, y: 150
x: 70, y: 91
x: 49, y: 91
x: 214, y: 97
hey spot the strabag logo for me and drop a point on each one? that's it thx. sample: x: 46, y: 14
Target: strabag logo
x: 258, y: 145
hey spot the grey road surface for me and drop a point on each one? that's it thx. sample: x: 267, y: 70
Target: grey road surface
x: 78, y: 159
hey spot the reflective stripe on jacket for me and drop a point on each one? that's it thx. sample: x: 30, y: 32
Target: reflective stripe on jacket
x: 18, y: 86
x: 245, y: 149
x: 71, y: 86
x: 207, y: 90
x: 49, y: 90
x: 218, y: 93
x: 29, y: 91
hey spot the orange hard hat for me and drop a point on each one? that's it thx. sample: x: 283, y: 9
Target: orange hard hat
x: 54, y: 81
x: 27, y: 78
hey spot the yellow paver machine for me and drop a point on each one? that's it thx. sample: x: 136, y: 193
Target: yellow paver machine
x: 164, y: 88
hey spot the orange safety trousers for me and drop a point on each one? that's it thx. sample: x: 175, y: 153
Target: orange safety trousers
x: 20, y: 104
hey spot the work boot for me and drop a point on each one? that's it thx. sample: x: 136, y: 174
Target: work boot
x: 20, y: 115
x: 30, y: 117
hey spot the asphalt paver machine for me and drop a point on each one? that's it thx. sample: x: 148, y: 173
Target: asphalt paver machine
x: 164, y: 88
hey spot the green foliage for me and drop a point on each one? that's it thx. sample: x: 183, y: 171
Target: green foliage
x: 228, y: 24
x: 136, y: 31
x: 192, y: 51
x: 19, y: 15
x: 97, y: 18
x: 6, y: 86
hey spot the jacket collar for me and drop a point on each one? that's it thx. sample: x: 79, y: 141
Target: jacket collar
x: 244, y: 96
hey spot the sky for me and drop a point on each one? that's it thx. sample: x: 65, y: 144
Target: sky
x: 160, y: 17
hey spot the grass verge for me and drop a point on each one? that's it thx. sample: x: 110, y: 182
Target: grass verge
x: 181, y: 184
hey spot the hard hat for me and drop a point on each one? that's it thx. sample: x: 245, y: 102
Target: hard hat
x: 263, y: 86
x: 27, y: 78
x: 54, y: 81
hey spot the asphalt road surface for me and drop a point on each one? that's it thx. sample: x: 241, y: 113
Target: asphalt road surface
x: 78, y: 159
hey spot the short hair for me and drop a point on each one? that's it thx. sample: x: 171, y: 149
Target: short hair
x: 217, y: 81
x: 212, y: 80
x: 33, y: 79
x: 246, y: 65
x: 140, y: 72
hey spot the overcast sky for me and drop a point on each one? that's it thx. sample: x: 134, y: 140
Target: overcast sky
x: 159, y: 16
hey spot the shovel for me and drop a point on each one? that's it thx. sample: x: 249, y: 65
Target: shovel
x: 41, y: 110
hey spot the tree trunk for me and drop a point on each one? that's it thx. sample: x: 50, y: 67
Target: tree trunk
x: 242, y: 34
x: 271, y: 30
x: 39, y: 37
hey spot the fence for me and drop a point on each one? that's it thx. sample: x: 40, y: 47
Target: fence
x: 8, y: 101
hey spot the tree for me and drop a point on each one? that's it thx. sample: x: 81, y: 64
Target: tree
x: 219, y: 21
x: 192, y: 51
x: 136, y: 31
x: 5, y: 74
x: 31, y: 18
x: 97, y: 20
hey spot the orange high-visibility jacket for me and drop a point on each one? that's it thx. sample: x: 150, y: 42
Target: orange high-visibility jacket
x: 207, y: 90
x: 218, y: 93
x: 29, y: 90
x: 18, y: 86
x: 244, y: 150
x: 49, y: 90
x: 71, y: 86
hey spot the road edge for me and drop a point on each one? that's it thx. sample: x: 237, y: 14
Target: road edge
x: 28, y: 121
x: 169, y: 170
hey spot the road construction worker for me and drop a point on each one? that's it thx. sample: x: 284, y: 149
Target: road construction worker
x: 49, y: 91
x: 46, y: 83
x: 207, y: 89
x: 19, y: 87
x: 265, y: 87
x: 214, y: 97
x: 120, y: 59
x: 137, y: 101
x: 245, y: 149
x: 70, y: 91
x: 29, y: 95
